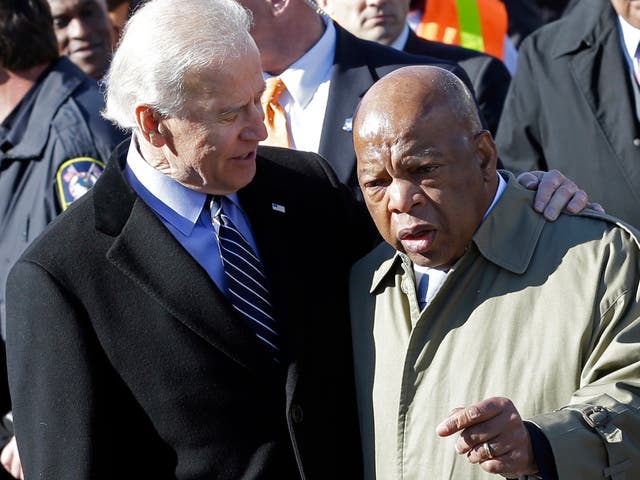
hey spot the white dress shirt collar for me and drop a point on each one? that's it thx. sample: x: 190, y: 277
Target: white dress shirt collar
x: 630, y: 38
x: 502, y: 185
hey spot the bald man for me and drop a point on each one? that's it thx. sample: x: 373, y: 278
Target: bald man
x: 487, y: 340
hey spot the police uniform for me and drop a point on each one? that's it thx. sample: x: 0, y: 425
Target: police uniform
x: 53, y: 147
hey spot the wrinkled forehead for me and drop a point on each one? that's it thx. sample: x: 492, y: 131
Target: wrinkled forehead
x: 396, y: 115
x: 235, y: 81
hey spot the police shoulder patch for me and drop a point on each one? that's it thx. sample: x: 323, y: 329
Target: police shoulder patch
x: 75, y: 177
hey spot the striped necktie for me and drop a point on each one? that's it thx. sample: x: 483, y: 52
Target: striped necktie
x: 246, y: 280
x: 423, y: 288
x: 275, y: 118
x: 429, y: 286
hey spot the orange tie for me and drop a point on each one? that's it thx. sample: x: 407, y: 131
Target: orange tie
x: 274, y: 117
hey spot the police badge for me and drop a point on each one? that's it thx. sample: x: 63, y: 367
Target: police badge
x: 75, y: 177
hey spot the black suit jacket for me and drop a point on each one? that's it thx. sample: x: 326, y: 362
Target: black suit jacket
x: 357, y: 65
x: 571, y: 106
x: 489, y: 76
x: 126, y: 361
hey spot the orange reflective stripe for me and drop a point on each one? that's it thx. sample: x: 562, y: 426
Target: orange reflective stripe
x: 440, y: 23
x: 493, y: 21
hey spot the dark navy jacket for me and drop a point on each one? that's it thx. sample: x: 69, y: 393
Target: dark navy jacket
x: 58, y: 120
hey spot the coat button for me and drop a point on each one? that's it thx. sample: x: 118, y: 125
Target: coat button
x: 296, y: 413
x: 636, y: 142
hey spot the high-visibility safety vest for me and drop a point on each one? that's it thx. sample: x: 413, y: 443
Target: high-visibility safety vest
x: 477, y: 24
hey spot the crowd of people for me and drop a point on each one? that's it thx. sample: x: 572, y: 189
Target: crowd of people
x: 290, y: 239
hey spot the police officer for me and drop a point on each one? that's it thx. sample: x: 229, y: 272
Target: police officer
x: 53, y: 141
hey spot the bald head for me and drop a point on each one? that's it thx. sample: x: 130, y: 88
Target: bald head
x: 408, y: 94
x: 426, y: 167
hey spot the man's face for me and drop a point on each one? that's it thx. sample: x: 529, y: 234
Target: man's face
x: 212, y: 147
x: 629, y: 10
x: 376, y: 20
x: 84, y: 33
x: 426, y: 181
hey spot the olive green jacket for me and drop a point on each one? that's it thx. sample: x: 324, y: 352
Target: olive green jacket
x: 546, y: 314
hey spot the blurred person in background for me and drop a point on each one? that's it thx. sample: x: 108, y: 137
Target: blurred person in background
x: 481, y: 25
x: 526, y: 16
x: 84, y: 34
x: 385, y: 21
x: 574, y: 104
x: 325, y: 70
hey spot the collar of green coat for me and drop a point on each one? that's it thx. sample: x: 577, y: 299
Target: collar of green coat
x: 509, y: 235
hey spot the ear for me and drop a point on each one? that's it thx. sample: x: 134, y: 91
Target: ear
x: 278, y: 6
x: 150, y: 125
x: 487, y: 152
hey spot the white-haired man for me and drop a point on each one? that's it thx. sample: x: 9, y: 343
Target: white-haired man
x: 132, y: 352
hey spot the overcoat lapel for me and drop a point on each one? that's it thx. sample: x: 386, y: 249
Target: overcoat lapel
x: 146, y: 252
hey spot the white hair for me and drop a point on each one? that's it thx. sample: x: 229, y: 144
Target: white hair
x: 162, y: 42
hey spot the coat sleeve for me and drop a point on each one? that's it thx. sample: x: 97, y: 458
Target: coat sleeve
x: 597, y: 435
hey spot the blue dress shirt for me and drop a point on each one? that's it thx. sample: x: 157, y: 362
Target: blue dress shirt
x: 185, y: 213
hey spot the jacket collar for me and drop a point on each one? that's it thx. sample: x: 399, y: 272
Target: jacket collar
x: 62, y: 80
x: 114, y: 198
x: 509, y: 235
x: 584, y: 26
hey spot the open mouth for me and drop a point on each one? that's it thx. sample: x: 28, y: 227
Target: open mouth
x: 417, y: 239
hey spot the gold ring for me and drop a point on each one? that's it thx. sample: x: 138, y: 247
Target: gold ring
x: 488, y: 450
